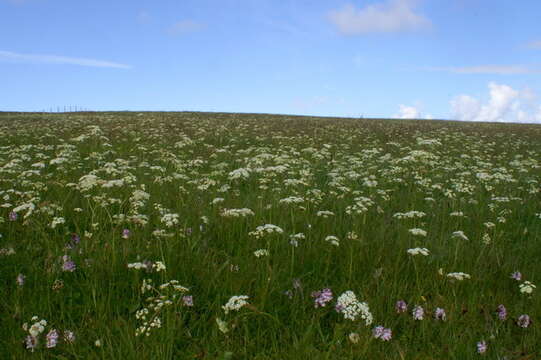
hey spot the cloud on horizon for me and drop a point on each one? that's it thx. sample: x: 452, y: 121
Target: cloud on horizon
x: 384, y: 17
x: 14, y: 57
x: 410, y: 112
x: 505, y: 104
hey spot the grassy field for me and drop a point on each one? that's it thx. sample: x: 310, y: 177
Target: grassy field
x: 240, y: 236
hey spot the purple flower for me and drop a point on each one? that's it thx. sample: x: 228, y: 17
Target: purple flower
x: 20, y: 279
x: 68, y: 264
x: 523, y: 321
x: 502, y: 312
x: 380, y: 332
x: 516, y: 275
x: 75, y: 240
x: 69, y: 336
x: 187, y: 300
x: 31, y: 342
x: 387, y: 335
x: 418, y: 313
x: 439, y: 314
x: 126, y: 233
x: 322, y: 297
x: 401, y: 306
x: 52, y: 338
x: 482, y: 347
x: 13, y: 216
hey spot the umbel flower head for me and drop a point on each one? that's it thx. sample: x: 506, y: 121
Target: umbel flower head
x: 351, y: 308
x: 235, y: 303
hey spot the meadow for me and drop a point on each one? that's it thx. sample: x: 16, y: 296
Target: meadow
x: 241, y: 236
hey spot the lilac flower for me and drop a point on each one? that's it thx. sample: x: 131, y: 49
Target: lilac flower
x: 52, y: 338
x: 401, y: 306
x: 502, y: 312
x: 387, y: 334
x: 75, y: 240
x: 13, y: 216
x: 380, y: 332
x: 322, y: 297
x: 516, y: 275
x: 68, y: 264
x: 523, y: 321
x: 69, y: 336
x: 125, y: 233
x: 439, y: 314
x: 187, y: 300
x: 418, y: 313
x: 482, y: 347
x: 31, y: 342
x: 189, y: 231
x: 20, y: 279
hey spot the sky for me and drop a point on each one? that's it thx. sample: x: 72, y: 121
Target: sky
x: 476, y: 60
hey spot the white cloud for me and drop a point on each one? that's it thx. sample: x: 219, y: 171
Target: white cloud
x: 465, y: 107
x: 389, y: 16
x: 536, y: 44
x: 185, y: 27
x: 505, y: 104
x: 54, y: 59
x: 410, y: 112
x: 490, y: 69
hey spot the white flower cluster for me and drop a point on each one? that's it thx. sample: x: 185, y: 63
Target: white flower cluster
x: 57, y: 221
x: 409, y: 215
x: 137, y: 266
x: 28, y: 206
x: 292, y: 200
x: 156, y: 266
x: 458, y: 276
x: 167, y: 294
x: 333, y: 240
x: 352, y: 308
x: 325, y: 213
x: 361, y: 205
x: 37, y: 328
x: 241, y: 173
x: 7, y: 251
x: 526, y: 287
x: 417, y: 251
x: 459, y: 235
x: 244, y: 212
x: 235, y: 303
x: 261, y: 252
x: 51, y: 338
x: 266, y: 229
x: 294, y: 239
x: 417, y: 232
x: 169, y: 220
x: 138, y: 199
x: 87, y: 182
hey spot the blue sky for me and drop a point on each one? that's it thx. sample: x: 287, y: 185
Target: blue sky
x: 474, y: 60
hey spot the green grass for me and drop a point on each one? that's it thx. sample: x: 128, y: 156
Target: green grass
x: 363, y: 171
